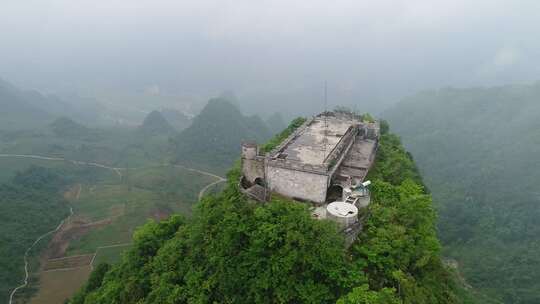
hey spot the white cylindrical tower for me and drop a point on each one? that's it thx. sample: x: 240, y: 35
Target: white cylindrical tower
x: 342, y: 213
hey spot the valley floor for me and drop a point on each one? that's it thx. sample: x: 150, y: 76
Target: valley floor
x: 104, y: 217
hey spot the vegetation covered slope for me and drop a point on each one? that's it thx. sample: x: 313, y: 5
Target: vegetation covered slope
x: 236, y: 251
x: 478, y: 149
x: 213, y: 139
x: 17, y: 111
x: 31, y: 204
x: 23, y: 109
x: 155, y: 124
x: 276, y: 123
x: 65, y: 127
x: 177, y: 119
x: 114, y: 146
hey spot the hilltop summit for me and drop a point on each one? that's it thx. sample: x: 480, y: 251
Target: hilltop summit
x: 216, y: 133
x: 66, y: 127
x: 155, y: 123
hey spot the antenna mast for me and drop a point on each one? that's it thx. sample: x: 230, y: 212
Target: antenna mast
x: 325, y: 140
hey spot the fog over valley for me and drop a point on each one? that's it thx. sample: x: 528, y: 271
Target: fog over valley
x: 271, y: 54
x: 269, y: 151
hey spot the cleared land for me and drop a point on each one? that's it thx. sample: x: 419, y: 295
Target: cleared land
x: 68, y: 262
x: 117, y: 209
x: 56, y: 286
x: 110, y: 254
x: 106, y: 214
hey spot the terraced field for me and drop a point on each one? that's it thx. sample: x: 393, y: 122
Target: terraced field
x: 106, y: 212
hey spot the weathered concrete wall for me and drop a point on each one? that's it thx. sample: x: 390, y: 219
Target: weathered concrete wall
x: 253, y: 168
x: 297, y: 184
x: 249, y: 150
x: 373, y: 130
x: 252, y: 162
x: 342, y: 145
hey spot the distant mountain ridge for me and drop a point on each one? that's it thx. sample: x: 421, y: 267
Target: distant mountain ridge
x: 27, y: 109
x: 18, y: 109
x: 67, y: 128
x: 478, y: 149
x: 276, y: 123
x: 155, y: 124
x: 176, y: 118
x: 215, y: 135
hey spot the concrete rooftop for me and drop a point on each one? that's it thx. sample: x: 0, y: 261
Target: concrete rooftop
x: 312, y: 146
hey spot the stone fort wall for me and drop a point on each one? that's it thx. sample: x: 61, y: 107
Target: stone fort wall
x: 295, y: 179
x: 252, y: 162
x: 297, y: 184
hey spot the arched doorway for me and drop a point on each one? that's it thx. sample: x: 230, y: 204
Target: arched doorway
x: 334, y: 193
x: 259, y: 181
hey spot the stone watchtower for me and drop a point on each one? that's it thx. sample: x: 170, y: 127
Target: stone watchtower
x: 250, y: 150
x: 252, y: 163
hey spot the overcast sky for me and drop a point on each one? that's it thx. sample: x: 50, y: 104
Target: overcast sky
x: 278, y: 51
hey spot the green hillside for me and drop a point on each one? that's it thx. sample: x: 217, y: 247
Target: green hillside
x: 236, y: 251
x: 156, y: 124
x: 276, y: 122
x: 176, y: 118
x: 478, y: 149
x: 114, y: 146
x: 213, y: 139
x: 64, y: 127
x: 32, y: 204
x: 18, y: 111
x: 26, y: 109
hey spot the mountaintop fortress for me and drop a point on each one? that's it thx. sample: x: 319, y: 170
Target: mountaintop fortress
x: 324, y: 162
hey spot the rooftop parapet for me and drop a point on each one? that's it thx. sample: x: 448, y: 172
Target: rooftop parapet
x: 315, y: 142
x: 295, y: 165
x: 341, y: 146
x: 320, y: 143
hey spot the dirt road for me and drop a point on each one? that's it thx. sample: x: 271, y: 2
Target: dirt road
x: 94, y: 164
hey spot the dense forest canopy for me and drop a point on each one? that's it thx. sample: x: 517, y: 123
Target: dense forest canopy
x: 237, y: 251
x: 32, y: 204
x: 478, y: 150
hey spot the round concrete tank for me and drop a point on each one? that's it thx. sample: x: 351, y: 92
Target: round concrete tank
x: 343, y: 213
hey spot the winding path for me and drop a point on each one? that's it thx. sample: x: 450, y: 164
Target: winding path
x: 76, y: 162
x: 92, y: 164
x: 203, y: 190
x: 28, y: 251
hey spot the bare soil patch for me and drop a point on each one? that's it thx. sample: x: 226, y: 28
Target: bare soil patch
x: 57, y: 286
x: 72, y: 194
x: 72, y: 230
x: 68, y: 262
x: 160, y: 214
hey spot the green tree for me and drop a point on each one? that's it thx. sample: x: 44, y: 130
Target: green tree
x: 237, y: 251
x: 362, y: 295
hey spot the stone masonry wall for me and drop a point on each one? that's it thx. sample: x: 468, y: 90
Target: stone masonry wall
x: 253, y: 168
x: 298, y: 184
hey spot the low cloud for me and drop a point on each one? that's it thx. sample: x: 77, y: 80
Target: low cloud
x: 506, y: 56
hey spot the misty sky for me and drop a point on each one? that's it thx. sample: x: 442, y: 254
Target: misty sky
x: 277, y: 51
